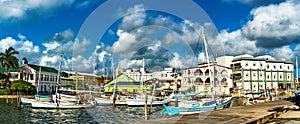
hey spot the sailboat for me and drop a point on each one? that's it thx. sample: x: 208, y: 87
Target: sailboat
x: 60, y: 101
x: 191, y: 107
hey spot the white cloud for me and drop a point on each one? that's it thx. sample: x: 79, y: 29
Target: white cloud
x: 50, y: 61
x: 283, y: 53
x: 134, y: 17
x: 126, y: 44
x: 235, y: 43
x: 18, y: 9
x: 274, y: 25
x: 82, y: 64
x: 25, y: 48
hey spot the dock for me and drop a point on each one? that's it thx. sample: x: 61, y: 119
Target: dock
x: 248, y: 114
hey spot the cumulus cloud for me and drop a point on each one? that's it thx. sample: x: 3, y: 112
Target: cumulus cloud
x: 13, y: 10
x: 158, y: 38
x: 134, y: 17
x: 25, y: 47
x: 18, y: 9
x: 274, y: 25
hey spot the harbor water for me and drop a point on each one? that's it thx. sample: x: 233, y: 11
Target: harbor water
x: 10, y: 114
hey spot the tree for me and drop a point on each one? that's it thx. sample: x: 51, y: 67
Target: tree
x: 22, y: 86
x: 8, y: 60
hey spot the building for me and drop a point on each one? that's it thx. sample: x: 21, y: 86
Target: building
x: 168, y: 79
x: 260, y: 73
x: 200, y: 78
x: 44, y: 78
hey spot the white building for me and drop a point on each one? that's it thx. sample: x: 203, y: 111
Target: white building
x: 260, y: 73
x: 48, y: 79
x: 169, y: 79
x: 200, y: 78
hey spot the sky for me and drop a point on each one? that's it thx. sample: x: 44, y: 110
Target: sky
x: 93, y: 35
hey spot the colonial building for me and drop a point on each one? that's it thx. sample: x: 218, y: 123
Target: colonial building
x: 204, y: 77
x: 260, y: 73
x: 44, y: 78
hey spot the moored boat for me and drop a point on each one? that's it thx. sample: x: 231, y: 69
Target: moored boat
x: 140, y: 102
x: 196, y: 107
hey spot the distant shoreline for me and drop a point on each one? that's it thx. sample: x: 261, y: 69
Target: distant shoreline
x: 15, y: 96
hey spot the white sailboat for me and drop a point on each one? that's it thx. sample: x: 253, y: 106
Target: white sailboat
x: 207, y: 104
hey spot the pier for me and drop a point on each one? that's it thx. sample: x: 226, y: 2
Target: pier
x: 248, y: 114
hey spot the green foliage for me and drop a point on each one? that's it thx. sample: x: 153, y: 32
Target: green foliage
x: 22, y: 86
x: 5, y: 92
x: 8, y: 60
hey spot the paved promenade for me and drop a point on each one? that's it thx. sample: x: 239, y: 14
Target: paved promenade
x: 257, y: 113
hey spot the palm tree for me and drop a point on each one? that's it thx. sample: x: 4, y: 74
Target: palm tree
x: 8, y: 60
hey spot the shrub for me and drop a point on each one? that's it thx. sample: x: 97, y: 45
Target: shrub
x: 5, y: 92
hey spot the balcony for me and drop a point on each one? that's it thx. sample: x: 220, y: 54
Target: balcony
x: 236, y: 76
x: 236, y: 65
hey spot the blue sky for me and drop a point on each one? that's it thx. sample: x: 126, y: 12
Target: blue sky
x: 165, y: 33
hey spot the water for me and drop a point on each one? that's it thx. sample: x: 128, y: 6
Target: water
x: 10, y: 114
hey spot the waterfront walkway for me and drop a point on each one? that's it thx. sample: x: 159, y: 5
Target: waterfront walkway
x: 257, y: 113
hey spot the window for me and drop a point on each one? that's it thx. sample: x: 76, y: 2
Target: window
x: 274, y: 66
x: 42, y: 77
x: 31, y: 76
x: 246, y: 63
x: 254, y: 75
x: 254, y: 64
x: 268, y: 76
x: 247, y: 74
x: 288, y: 67
x: 280, y: 77
x: 134, y: 90
x: 268, y: 66
x: 280, y: 66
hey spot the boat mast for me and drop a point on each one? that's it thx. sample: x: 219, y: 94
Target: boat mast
x: 58, y: 73
x: 39, y: 80
x: 296, y: 86
x: 207, y: 59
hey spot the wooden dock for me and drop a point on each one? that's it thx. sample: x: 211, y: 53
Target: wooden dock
x: 256, y: 114
x: 15, y: 96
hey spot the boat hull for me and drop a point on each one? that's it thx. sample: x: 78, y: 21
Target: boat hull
x: 187, y: 110
x: 138, y: 102
x: 48, y: 105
